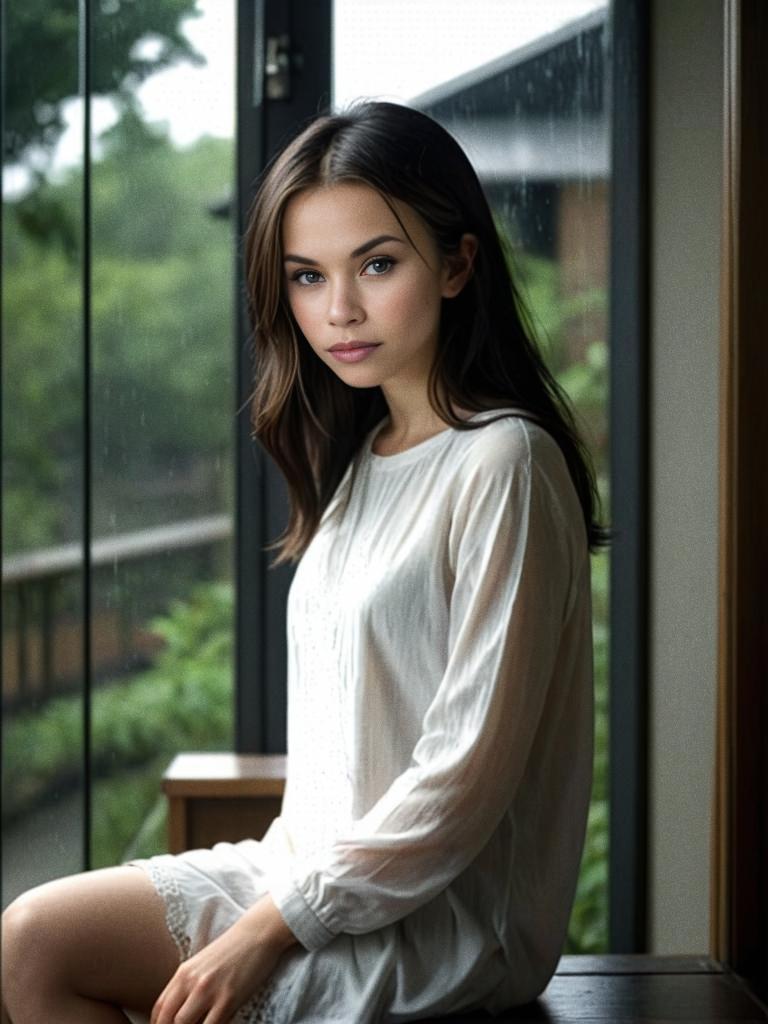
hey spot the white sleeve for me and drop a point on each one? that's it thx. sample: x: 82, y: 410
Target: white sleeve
x: 511, y: 583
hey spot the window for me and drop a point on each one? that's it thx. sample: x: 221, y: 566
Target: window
x: 135, y: 585
x: 117, y: 420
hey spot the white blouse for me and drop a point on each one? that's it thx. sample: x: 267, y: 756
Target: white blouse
x: 440, y: 726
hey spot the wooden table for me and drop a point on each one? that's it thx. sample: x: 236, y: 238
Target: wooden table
x: 214, y: 797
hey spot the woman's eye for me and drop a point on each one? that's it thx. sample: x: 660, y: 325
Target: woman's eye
x: 380, y: 265
x: 300, y: 276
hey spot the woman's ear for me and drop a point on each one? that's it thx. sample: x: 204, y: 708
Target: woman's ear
x: 458, y: 267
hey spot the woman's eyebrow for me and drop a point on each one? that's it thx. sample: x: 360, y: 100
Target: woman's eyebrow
x: 361, y: 249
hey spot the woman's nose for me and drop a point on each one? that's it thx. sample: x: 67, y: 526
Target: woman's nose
x: 344, y: 306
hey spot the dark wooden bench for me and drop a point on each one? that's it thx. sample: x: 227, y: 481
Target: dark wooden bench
x: 228, y: 796
x: 638, y: 989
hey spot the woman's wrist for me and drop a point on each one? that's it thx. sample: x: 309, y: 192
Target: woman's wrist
x: 266, y: 924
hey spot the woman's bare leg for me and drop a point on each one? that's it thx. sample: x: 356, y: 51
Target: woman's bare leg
x: 78, y: 948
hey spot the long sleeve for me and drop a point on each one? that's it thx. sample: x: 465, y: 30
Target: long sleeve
x: 512, y: 558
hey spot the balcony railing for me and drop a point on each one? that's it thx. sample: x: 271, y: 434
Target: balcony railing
x: 42, y: 641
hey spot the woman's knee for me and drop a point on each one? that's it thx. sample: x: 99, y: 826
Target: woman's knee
x: 101, y: 934
x: 26, y: 943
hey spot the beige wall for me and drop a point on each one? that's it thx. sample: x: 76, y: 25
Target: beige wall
x: 686, y: 130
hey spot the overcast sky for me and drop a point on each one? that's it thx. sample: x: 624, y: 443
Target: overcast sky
x: 387, y: 49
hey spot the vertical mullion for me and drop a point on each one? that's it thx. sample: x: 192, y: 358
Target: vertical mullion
x: 84, y: 54
x: 261, y: 502
x: 629, y: 477
x: 3, y: 38
x: 249, y: 461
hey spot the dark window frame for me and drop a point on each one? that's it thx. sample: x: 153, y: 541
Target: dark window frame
x: 261, y: 501
x: 629, y: 475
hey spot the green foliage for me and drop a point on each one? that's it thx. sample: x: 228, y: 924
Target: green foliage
x: 183, y: 702
x: 588, y: 927
x: 196, y: 709
x: 560, y: 324
x: 130, y: 815
x: 35, y: 88
x: 161, y: 338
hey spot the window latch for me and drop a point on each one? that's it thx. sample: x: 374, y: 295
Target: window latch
x: 277, y: 67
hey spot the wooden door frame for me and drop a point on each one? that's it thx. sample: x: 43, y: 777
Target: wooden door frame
x: 740, y: 839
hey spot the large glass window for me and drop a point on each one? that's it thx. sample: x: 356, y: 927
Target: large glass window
x: 162, y: 263
x: 118, y: 289
x: 144, y: 288
x: 523, y: 88
x: 43, y: 458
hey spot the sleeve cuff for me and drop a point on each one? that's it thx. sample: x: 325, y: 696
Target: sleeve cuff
x: 299, y: 916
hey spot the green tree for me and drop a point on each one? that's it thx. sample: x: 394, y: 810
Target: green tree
x: 42, y: 57
x: 162, y: 327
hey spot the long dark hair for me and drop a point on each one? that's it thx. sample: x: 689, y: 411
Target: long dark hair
x: 309, y: 420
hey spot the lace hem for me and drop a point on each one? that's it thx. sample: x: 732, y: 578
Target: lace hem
x: 164, y: 880
x: 260, y: 1008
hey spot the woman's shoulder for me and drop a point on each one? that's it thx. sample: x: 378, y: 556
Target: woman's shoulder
x: 514, y: 454
x: 515, y: 450
x: 508, y: 440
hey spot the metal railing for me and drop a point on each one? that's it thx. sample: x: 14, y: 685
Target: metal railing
x: 38, y: 643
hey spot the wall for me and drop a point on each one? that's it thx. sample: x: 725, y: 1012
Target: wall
x: 686, y: 130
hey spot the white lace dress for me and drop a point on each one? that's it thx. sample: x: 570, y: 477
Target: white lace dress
x: 440, y: 739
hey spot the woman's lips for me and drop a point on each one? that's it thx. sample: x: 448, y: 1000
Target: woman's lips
x: 353, y: 355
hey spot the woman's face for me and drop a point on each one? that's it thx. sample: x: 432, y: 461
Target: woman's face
x: 350, y: 274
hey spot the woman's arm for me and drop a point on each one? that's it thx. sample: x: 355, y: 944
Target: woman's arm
x: 515, y: 557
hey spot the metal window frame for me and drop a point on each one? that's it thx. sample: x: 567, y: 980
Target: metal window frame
x: 629, y: 468
x: 85, y: 62
x: 261, y: 504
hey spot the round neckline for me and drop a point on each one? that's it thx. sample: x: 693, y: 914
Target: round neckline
x: 417, y: 450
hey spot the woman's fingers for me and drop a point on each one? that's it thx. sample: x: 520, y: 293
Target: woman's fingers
x: 177, y: 1003
x: 211, y: 986
x: 193, y: 997
x: 170, y: 1001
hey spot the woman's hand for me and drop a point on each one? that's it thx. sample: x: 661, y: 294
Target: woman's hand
x: 211, y: 986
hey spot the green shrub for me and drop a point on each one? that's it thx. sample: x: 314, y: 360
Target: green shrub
x: 184, y: 702
x: 192, y: 709
x: 588, y: 926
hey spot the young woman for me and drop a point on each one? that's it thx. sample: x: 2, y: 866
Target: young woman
x: 439, y: 635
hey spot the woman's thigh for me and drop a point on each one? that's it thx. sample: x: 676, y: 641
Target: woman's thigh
x: 101, y: 934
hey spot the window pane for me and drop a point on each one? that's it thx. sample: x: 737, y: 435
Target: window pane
x: 163, y: 418
x: 42, y: 402
x: 160, y: 451
x: 523, y: 88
